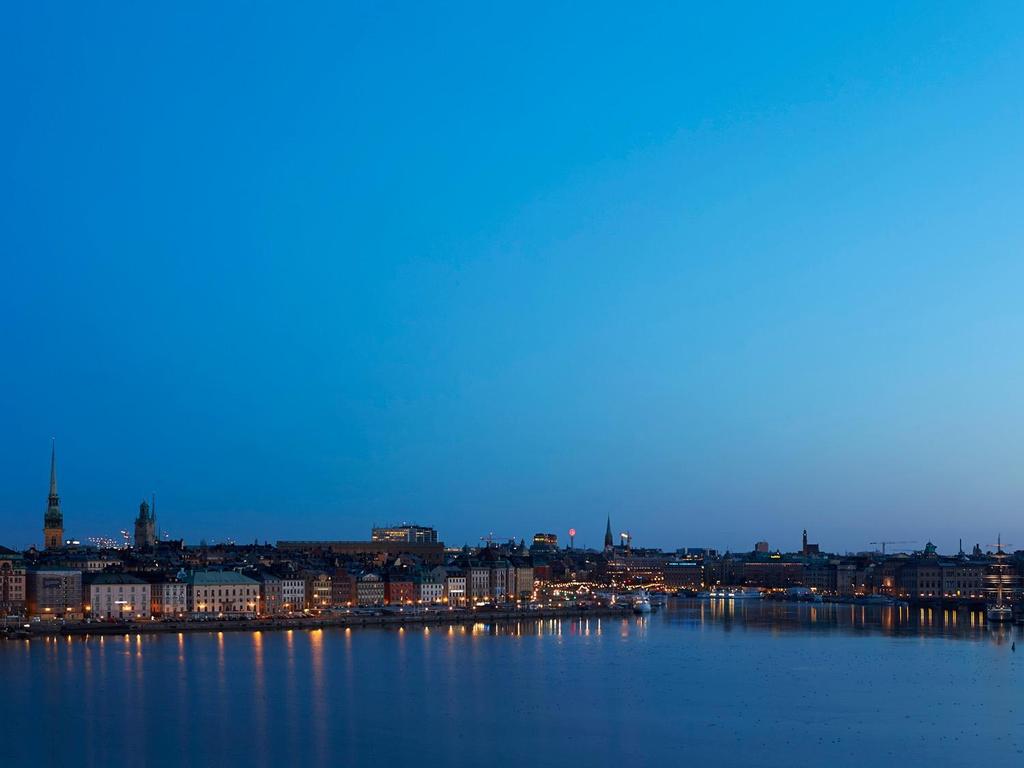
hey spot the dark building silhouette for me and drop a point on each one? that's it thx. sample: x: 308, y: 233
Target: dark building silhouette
x: 809, y: 549
x: 145, y: 526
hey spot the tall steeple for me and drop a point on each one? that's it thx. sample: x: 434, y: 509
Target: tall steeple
x: 53, y: 520
x: 609, y: 542
x: 145, y: 526
x: 53, y: 472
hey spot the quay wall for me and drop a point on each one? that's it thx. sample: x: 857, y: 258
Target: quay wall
x: 462, y: 617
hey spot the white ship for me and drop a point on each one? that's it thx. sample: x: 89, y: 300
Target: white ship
x: 1000, y: 612
x: 641, y: 602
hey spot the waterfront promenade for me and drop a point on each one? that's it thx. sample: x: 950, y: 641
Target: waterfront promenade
x: 383, y: 619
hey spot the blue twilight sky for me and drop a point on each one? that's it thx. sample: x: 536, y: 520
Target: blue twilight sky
x: 719, y: 273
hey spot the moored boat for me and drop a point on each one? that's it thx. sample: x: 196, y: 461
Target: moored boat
x: 641, y: 602
x: 1000, y: 612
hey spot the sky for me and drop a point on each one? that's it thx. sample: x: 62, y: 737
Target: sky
x: 719, y: 273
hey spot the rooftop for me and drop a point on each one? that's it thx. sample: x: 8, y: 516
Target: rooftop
x: 116, y: 578
x: 218, y: 577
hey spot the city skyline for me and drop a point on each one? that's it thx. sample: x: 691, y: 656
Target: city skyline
x: 723, y: 276
x: 146, y: 524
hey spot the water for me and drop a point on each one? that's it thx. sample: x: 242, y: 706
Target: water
x: 764, y: 684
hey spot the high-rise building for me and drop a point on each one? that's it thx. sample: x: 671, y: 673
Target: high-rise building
x: 53, y: 520
x: 145, y: 526
x: 413, y: 534
x: 544, y: 542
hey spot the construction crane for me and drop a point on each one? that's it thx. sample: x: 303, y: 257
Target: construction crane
x: 883, y: 544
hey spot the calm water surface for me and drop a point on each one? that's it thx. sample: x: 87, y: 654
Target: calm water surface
x: 759, y: 684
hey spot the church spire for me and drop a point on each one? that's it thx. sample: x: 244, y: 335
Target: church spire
x: 53, y: 520
x: 609, y: 542
x: 53, y: 469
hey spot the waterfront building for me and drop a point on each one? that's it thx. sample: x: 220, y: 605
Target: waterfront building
x: 53, y: 520
x: 522, y: 579
x: 430, y: 587
x: 168, y: 596
x: 478, y: 582
x: 12, y: 583
x: 502, y: 580
x: 271, y: 600
x: 886, y: 572
x: 118, y: 596
x: 920, y: 578
x: 850, y: 579
x: 318, y: 590
x: 683, y: 574
x: 626, y: 567
x: 216, y: 593
x: 930, y: 577
x: 145, y: 527
x: 455, y: 589
x: 774, y: 572
x: 293, y: 593
x: 963, y: 578
x: 399, y: 590
x: 406, y: 532
x: 820, y: 576
x: 370, y: 589
x: 842, y: 577
x: 344, y: 587
x: 54, y: 593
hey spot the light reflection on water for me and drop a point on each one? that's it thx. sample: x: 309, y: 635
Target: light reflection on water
x: 743, y: 682
x: 893, y: 620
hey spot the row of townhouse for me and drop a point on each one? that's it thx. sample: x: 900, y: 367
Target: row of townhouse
x: 73, y: 594
x: 348, y: 587
x: 498, y: 580
x: 191, y: 594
